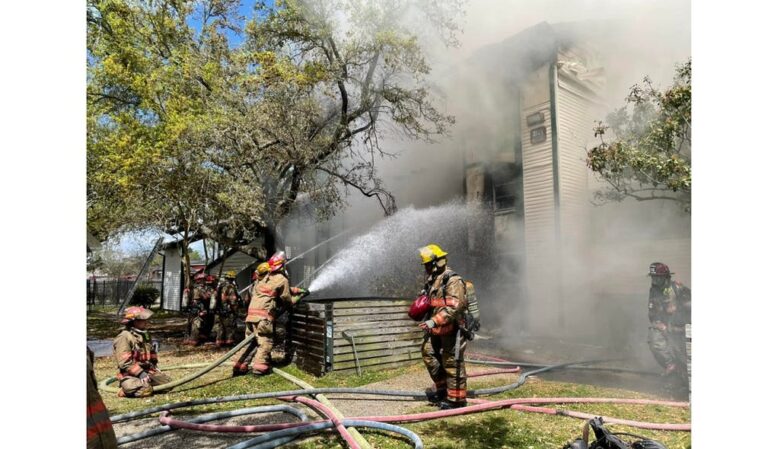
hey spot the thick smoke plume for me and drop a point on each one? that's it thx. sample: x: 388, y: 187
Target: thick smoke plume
x: 632, y: 39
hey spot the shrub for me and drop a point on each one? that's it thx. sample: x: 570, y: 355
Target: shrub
x: 145, y: 295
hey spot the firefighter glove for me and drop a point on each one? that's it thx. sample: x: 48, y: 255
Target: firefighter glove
x: 427, y: 325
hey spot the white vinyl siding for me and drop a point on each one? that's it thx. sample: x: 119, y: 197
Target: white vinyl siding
x: 172, y: 280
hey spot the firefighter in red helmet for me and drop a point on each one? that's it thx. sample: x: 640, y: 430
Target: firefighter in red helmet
x: 669, y: 310
x: 265, y: 295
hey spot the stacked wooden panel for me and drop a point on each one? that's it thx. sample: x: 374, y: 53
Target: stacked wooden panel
x: 383, y: 334
x: 308, y: 337
x: 354, y: 334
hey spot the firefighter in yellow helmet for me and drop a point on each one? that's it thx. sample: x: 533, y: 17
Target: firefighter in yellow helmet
x: 136, y: 356
x: 225, y: 306
x: 443, y: 348
x: 273, y: 287
x: 261, y: 271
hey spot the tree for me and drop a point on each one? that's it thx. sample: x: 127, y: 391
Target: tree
x: 192, y: 133
x: 116, y: 263
x: 650, y: 156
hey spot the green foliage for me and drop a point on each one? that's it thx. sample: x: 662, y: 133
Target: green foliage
x: 650, y: 156
x: 145, y: 295
x: 191, y: 133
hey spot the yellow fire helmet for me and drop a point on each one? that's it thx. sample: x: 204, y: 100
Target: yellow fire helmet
x: 230, y: 274
x: 263, y: 268
x: 430, y: 253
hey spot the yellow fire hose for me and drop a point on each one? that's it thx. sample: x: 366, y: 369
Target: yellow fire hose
x: 355, y: 434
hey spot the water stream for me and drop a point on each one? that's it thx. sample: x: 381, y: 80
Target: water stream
x: 385, y: 260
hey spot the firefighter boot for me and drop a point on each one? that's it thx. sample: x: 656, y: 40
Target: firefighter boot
x: 449, y: 405
x: 436, y: 396
x: 261, y: 369
x: 240, y: 369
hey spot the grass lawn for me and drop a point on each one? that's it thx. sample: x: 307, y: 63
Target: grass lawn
x: 496, y: 429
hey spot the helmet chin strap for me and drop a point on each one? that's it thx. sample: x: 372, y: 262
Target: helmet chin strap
x: 144, y: 334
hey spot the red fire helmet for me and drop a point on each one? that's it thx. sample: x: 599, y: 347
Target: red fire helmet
x: 276, y: 262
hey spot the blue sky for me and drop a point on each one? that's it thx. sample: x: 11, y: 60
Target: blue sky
x: 245, y: 9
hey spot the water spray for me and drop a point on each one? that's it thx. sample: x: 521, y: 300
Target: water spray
x: 288, y: 262
x: 386, y: 249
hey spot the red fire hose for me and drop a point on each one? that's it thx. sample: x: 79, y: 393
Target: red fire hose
x: 606, y: 419
x: 496, y: 371
x: 510, y: 402
x: 317, y: 405
x: 484, y: 406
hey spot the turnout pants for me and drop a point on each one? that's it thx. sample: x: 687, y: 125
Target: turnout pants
x: 225, y: 327
x: 667, y: 347
x: 259, y: 348
x: 133, y: 387
x: 439, y: 355
x: 200, y: 329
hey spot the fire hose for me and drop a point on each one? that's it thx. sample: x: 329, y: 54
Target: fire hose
x: 282, y: 433
x: 417, y: 395
x: 327, y: 404
x: 325, y: 410
x: 517, y: 403
x: 104, y: 384
x: 214, y: 416
x: 277, y: 436
x: 521, y: 404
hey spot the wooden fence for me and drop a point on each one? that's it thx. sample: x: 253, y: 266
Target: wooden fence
x: 354, y: 334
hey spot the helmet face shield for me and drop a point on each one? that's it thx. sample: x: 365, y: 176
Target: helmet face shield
x: 135, y: 313
x: 659, y: 280
x: 277, y: 261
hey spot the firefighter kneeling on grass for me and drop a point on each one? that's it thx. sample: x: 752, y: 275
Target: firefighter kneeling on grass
x: 136, y: 356
x: 261, y: 315
x: 443, y: 302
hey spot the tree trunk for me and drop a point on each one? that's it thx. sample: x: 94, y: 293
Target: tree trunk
x: 270, y: 240
x: 186, y: 262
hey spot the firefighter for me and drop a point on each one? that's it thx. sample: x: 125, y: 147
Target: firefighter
x: 241, y: 366
x: 99, y: 431
x: 136, y: 356
x: 265, y: 294
x: 226, y: 302
x: 443, y: 346
x: 669, y: 310
x: 211, y: 282
x: 199, y: 311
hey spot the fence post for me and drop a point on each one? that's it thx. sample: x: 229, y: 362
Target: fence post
x: 328, y: 342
